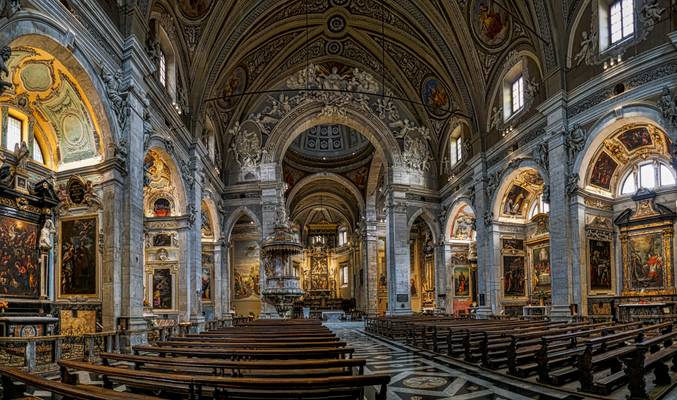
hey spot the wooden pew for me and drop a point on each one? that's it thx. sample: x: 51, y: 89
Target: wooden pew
x: 11, y: 391
x: 523, y: 347
x: 606, y: 353
x: 248, y: 354
x: 251, y: 345
x: 255, y: 339
x: 205, y: 366
x: 335, y: 388
x: 646, y: 356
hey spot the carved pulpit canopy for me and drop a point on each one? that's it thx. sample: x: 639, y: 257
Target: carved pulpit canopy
x: 646, y: 211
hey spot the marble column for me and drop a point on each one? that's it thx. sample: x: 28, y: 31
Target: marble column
x: 397, y: 256
x: 441, y: 281
x: 445, y: 250
x: 112, y: 193
x: 561, y: 245
x: 488, y: 263
x: 195, y: 233
x: 132, y: 213
x: 371, y: 267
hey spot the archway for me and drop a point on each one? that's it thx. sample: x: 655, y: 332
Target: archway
x: 422, y: 266
x: 166, y: 239
x: 523, y: 242
x: 244, y: 253
x: 461, y: 257
x: 628, y: 186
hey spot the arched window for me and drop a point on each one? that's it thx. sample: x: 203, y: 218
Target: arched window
x: 648, y: 175
x: 342, y: 237
x: 162, y: 68
x: 539, y: 207
x: 456, y: 150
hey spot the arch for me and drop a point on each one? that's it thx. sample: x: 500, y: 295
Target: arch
x: 39, y: 29
x: 427, y: 216
x: 457, y: 205
x: 209, y: 205
x: 507, y: 180
x: 177, y: 191
x: 304, y: 207
x: 309, y: 115
x: 340, y: 179
x: 609, y: 123
x: 513, y: 167
x: 239, y: 212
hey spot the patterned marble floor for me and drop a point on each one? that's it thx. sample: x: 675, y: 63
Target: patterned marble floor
x: 423, y: 376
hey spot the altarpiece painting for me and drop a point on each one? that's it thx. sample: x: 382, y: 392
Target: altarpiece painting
x: 646, y: 235
x: 19, y: 264
x: 514, y: 271
x: 78, y: 257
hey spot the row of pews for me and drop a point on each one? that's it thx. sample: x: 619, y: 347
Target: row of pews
x: 596, y: 358
x: 290, y: 359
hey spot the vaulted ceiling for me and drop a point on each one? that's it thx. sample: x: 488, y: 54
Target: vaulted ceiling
x: 444, y: 53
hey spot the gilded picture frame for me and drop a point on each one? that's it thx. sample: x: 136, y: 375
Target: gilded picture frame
x: 647, y: 269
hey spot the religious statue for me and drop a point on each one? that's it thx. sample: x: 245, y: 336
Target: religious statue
x: 575, y: 141
x: 46, y: 235
x: 5, y: 53
x: 650, y: 15
x: 114, y: 89
x: 496, y: 118
x: 541, y: 155
x: 587, y: 49
x: 667, y: 105
x: 21, y: 153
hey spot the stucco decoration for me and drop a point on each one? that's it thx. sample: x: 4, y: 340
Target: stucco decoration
x: 416, y: 155
x: 649, y: 16
x: 5, y: 53
x: 574, y: 141
x: 334, y: 89
x: 50, y: 94
x: 246, y: 147
x: 9, y: 7
x: 586, y: 49
x: 667, y: 104
x: 115, y: 92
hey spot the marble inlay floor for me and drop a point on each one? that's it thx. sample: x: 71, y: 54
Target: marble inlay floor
x: 417, y: 376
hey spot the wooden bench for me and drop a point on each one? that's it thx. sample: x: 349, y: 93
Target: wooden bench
x: 254, y: 339
x: 11, y: 390
x: 320, y: 367
x: 248, y: 354
x: 649, y: 355
x: 606, y: 353
x: 251, y: 345
x: 334, y: 388
x: 558, y: 357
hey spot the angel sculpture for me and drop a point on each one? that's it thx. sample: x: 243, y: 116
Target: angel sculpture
x: 5, y: 53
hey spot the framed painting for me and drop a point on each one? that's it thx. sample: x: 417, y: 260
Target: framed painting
x: 78, y: 259
x: 514, y: 277
x: 599, y: 264
x: 461, y: 282
x: 540, y: 268
x: 635, y: 138
x: 646, y: 262
x: 513, y: 244
x: 207, y: 273
x: 19, y: 263
x: 162, y: 289
x: 515, y: 201
x: 603, y: 171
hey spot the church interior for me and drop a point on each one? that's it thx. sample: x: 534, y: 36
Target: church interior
x: 338, y: 199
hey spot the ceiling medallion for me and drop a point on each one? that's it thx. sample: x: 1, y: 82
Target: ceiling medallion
x: 334, y: 48
x: 336, y: 23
